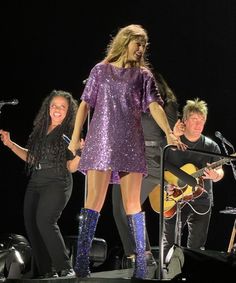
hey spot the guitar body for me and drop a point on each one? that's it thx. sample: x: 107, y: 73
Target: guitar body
x: 184, y: 192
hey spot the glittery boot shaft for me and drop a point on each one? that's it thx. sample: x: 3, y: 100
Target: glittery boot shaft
x: 87, y: 225
x: 136, y: 223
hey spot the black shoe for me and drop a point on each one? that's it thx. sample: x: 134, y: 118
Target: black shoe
x: 150, y: 259
x: 51, y: 274
x: 128, y: 262
x: 67, y: 273
x: 151, y: 265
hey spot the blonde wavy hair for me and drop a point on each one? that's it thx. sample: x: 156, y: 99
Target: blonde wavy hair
x: 117, y: 47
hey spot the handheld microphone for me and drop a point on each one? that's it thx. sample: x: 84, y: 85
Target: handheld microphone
x: 9, y: 102
x: 224, y: 140
x: 84, y: 81
x: 67, y: 140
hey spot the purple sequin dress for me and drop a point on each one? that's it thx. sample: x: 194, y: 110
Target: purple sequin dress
x: 115, y: 138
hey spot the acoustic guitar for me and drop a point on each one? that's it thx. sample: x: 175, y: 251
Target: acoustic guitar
x: 184, y: 191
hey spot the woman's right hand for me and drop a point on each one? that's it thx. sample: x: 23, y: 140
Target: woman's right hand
x: 5, y: 138
x: 172, y: 139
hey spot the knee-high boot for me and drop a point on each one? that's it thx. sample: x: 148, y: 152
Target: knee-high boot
x: 87, y: 226
x: 136, y: 223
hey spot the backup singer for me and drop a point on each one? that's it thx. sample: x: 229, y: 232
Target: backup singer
x: 49, y: 164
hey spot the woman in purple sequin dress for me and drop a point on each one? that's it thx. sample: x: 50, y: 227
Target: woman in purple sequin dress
x: 118, y: 89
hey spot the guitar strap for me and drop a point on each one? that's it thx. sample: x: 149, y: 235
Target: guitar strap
x: 182, y: 175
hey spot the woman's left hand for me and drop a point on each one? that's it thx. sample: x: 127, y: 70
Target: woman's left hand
x: 172, y: 139
x: 73, y: 147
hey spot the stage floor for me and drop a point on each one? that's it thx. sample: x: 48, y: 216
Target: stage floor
x: 114, y: 276
x: 123, y: 276
x: 186, y: 265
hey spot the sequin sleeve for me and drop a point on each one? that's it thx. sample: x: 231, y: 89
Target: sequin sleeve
x: 91, y: 89
x: 150, y: 91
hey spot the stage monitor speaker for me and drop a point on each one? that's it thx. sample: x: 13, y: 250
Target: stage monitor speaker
x: 3, y: 255
x: 15, y: 253
x: 201, y: 265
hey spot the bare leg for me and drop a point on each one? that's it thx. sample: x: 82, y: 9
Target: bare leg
x: 130, y: 189
x: 98, y: 182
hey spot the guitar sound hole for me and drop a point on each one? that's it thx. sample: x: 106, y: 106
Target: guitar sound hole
x: 179, y: 191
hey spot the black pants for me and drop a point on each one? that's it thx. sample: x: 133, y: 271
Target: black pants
x: 197, y: 227
x: 47, y: 195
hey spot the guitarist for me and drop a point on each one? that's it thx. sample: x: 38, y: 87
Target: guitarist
x: 196, y: 213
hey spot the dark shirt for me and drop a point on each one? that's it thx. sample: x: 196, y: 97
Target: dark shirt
x: 152, y: 132
x: 49, y: 154
x: 180, y: 158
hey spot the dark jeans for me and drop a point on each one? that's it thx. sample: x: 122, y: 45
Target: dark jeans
x: 47, y: 195
x: 196, y: 224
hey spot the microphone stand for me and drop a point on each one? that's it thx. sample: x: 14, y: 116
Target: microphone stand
x: 86, y: 176
x: 233, y: 169
x: 13, y: 102
x: 230, y: 162
x: 178, y: 223
x: 231, y: 242
x: 1, y: 105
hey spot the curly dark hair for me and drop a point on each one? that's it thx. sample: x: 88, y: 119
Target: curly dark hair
x: 40, y: 127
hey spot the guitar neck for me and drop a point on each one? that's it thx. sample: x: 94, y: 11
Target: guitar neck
x: 216, y: 164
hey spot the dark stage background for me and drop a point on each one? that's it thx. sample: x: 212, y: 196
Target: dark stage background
x: 49, y: 45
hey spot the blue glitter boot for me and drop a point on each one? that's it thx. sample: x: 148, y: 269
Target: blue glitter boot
x: 87, y: 226
x: 136, y: 223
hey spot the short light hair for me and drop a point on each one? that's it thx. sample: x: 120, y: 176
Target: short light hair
x: 195, y: 106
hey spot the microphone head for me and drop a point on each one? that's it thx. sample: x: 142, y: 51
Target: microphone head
x: 218, y: 135
x: 15, y: 101
x: 84, y: 81
x: 9, y: 102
